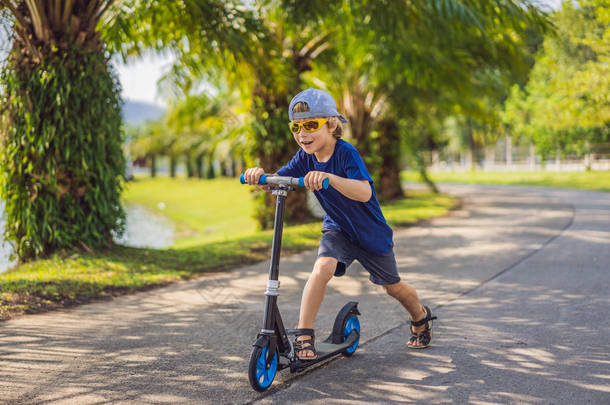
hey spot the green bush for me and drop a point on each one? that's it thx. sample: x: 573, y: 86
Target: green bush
x: 61, y: 160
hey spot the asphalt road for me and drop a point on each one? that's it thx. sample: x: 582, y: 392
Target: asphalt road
x: 519, y: 278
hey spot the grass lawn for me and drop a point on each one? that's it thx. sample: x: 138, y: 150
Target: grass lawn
x: 599, y: 181
x: 216, y: 233
x: 202, y: 210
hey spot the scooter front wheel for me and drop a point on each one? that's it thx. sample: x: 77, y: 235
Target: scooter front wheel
x: 259, y: 374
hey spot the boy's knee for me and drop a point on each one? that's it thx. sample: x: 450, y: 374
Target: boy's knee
x: 325, y: 267
x: 393, y: 289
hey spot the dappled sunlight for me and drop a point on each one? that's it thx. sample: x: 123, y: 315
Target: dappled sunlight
x: 151, y: 342
x: 127, y: 358
x: 505, y: 397
x: 594, y: 236
x: 482, y: 249
x: 500, y: 351
x: 356, y: 288
x: 602, y: 387
x: 231, y: 358
x: 522, y: 353
x: 170, y: 399
x: 190, y: 342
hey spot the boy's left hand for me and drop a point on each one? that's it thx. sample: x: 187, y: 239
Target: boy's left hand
x: 313, y: 180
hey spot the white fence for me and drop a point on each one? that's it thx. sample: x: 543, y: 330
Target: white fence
x: 504, y: 156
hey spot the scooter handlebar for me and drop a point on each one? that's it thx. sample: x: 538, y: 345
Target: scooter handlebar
x: 283, y: 180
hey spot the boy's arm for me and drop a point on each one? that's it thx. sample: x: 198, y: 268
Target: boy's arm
x: 359, y: 190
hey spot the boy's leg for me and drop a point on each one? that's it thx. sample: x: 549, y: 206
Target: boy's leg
x: 384, y: 271
x: 407, y: 296
x: 313, y: 294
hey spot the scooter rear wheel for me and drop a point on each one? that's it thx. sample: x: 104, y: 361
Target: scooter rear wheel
x: 351, y: 323
x: 259, y: 375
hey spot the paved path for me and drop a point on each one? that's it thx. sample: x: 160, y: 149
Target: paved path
x: 519, y: 278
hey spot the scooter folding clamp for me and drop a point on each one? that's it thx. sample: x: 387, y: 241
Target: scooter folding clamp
x: 272, y: 288
x: 280, y: 192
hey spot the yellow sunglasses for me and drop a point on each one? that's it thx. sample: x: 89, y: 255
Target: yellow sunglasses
x: 309, y: 126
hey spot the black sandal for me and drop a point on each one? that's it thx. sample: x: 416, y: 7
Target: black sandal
x: 306, y: 344
x: 423, y: 337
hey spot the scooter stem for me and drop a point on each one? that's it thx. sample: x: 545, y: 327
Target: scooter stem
x: 276, y: 247
x: 278, y: 228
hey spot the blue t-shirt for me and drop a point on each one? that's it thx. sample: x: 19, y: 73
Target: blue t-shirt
x: 362, y: 222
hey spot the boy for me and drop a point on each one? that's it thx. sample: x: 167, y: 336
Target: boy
x: 354, y: 227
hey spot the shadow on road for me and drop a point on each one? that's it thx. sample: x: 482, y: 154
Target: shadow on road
x: 190, y: 342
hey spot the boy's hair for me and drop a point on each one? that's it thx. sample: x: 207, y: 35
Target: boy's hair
x: 303, y: 107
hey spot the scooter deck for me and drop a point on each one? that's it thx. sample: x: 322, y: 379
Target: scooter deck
x: 325, y: 351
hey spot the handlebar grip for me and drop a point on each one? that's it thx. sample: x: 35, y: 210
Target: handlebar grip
x: 262, y: 180
x: 325, y: 183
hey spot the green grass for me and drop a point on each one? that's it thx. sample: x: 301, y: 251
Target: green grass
x: 74, y: 278
x: 599, y: 181
x: 203, y: 211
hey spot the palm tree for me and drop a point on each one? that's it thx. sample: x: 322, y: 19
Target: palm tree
x: 202, y: 126
x: 399, y: 60
x: 285, y: 53
x: 62, y: 162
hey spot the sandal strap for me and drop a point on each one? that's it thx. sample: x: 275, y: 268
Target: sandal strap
x: 300, y: 332
x: 425, y: 319
x: 307, y: 344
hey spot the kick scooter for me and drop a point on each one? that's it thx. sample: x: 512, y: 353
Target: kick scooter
x: 273, y: 350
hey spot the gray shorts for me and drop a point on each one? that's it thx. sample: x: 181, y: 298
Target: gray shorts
x: 382, y: 269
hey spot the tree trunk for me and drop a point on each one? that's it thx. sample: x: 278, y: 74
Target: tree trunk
x: 199, y: 165
x: 272, y: 147
x: 62, y: 158
x: 188, y: 165
x: 421, y: 168
x: 360, y: 122
x: 172, y: 166
x: 153, y: 165
x: 210, y: 170
x: 389, y: 186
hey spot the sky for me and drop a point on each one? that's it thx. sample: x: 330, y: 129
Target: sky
x: 139, y: 78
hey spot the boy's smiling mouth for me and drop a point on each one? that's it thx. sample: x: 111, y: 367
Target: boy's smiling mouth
x: 306, y: 142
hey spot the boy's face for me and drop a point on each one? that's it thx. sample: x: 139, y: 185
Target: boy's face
x: 316, y: 141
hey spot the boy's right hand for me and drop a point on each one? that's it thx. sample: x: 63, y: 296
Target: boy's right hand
x: 252, y: 175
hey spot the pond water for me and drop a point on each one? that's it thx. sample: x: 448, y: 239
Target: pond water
x: 143, y: 229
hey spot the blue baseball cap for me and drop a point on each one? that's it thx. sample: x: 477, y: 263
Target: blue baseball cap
x: 321, y: 104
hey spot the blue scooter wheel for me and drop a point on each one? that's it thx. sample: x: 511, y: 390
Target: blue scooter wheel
x: 351, y: 323
x: 259, y: 375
